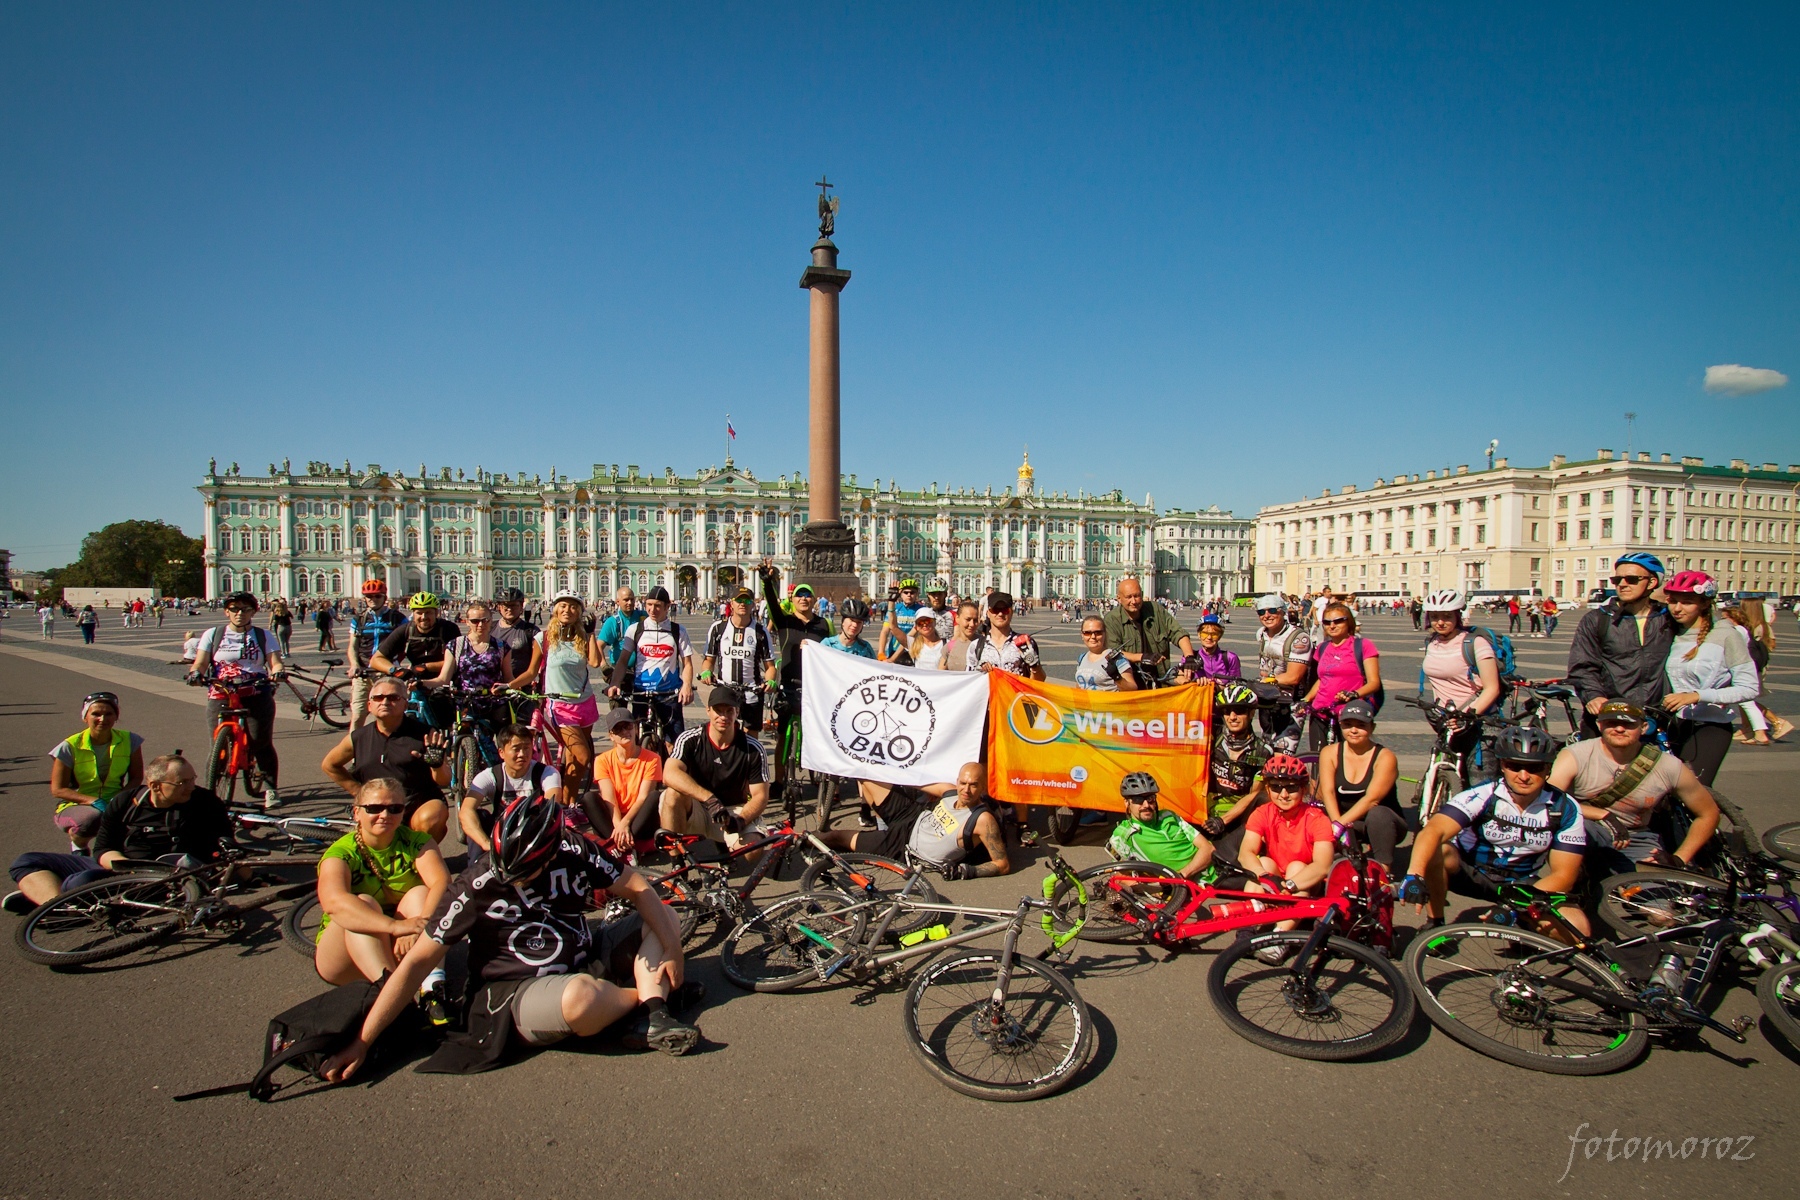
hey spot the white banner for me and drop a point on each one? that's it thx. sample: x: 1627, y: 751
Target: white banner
x: 865, y: 719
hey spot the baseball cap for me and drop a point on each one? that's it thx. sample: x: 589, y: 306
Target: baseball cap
x: 999, y: 600
x: 618, y: 717
x: 724, y: 696
x: 1360, y: 711
x: 659, y: 592
x: 803, y: 589
x: 1270, y: 603
x: 743, y: 593
x: 1620, y: 710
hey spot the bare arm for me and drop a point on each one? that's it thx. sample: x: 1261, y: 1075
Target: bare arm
x: 337, y: 765
x: 1563, y: 871
x: 395, y: 995
x: 470, y: 825
x: 1700, y: 802
x: 994, y: 842
x: 657, y: 918
x: 1427, y: 841
x: 336, y: 898
x: 1328, y: 765
x: 1314, y: 872
x: 1489, y: 671
x: 1250, y: 853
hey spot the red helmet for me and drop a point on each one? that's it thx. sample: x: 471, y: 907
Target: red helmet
x: 1692, y: 583
x: 375, y: 587
x: 1285, y: 766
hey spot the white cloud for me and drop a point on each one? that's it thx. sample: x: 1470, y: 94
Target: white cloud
x: 1735, y: 380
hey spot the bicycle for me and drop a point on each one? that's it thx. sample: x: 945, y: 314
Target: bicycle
x: 995, y: 1025
x: 827, y: 787
x: 1570, y: 1005
x: 329, y: 702
x: 230, y: 758
x: 152, y: 902
x: 1448, y: 771
x: 1529, y: 706
x: 1328, y: 998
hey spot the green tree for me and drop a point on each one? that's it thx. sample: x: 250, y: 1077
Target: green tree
x: 138, y: 554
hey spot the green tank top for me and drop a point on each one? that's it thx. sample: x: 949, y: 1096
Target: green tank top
x: 386, y: 873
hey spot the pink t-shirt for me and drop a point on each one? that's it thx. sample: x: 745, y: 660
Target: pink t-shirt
x: 1338, y: 671
x: 1448, y: 671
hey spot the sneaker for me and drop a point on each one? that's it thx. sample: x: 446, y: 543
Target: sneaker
x: 1274, y: 954
x: 670, y: 1034
x: 865, y: 817
x: 17, y: 904
x: 432, y: 1001
x: 271, y: 801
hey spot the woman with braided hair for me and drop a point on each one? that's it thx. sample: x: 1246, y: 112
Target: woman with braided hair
x: 1709, y: 673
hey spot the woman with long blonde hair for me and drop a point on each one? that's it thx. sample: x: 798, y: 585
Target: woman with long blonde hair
x: 570, y: 653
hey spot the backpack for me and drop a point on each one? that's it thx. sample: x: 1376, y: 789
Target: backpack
x: 262, y: 639
x: 1504, y: 661
x: 1375, y: 699
x: 1559, y: 809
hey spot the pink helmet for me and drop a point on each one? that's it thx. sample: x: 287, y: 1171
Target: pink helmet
x: 1692, y: 583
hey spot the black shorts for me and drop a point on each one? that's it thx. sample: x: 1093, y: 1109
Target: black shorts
x: 750, y: 716
x: 899, y: 813
x: 1480, y: 885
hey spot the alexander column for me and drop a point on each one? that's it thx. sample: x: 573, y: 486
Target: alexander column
x: 825, y: 550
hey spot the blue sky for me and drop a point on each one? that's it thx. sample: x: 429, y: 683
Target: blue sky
x: 1221, y: 254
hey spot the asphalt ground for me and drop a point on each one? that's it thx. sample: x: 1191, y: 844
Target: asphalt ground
x: 815, y: 1092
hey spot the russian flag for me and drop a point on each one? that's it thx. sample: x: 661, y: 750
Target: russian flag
x: 729, y: 430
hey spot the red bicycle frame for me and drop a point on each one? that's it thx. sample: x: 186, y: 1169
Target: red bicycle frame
x: 1357, y: 896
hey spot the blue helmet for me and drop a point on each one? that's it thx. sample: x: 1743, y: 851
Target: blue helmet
x: 1639, y: 558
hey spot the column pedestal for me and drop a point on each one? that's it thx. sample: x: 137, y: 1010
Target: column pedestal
x: 825, y: 557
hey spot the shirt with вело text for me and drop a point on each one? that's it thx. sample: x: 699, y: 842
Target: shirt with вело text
x: 538, y: 927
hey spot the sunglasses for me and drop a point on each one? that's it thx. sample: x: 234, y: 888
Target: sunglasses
x: 1622, y: 580
x: 1286, y: 785
x: 386, y: 698
x: 1620, y: 723
x: 1093, y: 633
x: 481, y: 620
x: 1525, y: 768
x: 379, y: 810
x: 1334, y: 621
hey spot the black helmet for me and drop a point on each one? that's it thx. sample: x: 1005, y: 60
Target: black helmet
x: 510, y: 596
x: 855, y: 608
x: 526, y: 836
x: 1138, y: 785
x: 1519, y: 743
x: 241, y: 598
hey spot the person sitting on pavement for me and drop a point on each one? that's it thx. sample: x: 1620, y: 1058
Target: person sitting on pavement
x: 90, y: 767
x: 1619, y: 779
x: 1288, y: 842
x: 1619, y: 649
x: 377, y: 884
x: 396, y: 746
x: 239, y: 656
x: 491, y: 790
x: 166, y: 819
x: 716, y: 777
x: 1238, y: 755
x: 537, y: 971
x: 1209, y: 661
x: 627, y: 774
x: 1368, y: 804
x: 1157, y: 835
x: 965, y: 836
x: 1515, y: 830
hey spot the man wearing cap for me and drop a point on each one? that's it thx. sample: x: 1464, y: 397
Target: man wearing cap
x: 716, y: 779
x: 627, y: 776
x: 1620, y: 648
x: 903, y: 609
x: 658, y: 659
x: 1619, y: 779
x: 1144, y: 633
x: 741, y: 654
x: 803, y: 624
x: 1282, y: 652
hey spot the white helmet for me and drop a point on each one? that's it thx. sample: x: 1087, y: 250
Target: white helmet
x: 1444, y: 600
x: 566, y: 595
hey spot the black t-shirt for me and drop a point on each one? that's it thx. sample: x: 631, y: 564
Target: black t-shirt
x: 517, y: 639
x: 728, y: 772
x: 377, y: 756
x: 137, y: 828
x: 419, y: 647
x: 523, y: 931
x: 790, y: 631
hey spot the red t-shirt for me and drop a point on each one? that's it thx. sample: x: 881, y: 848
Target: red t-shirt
x: 1289, y: 838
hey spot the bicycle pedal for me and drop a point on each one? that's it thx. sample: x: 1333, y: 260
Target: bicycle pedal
x: 1742, y: 1024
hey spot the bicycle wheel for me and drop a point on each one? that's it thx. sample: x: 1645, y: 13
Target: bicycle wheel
x: 1783, y: 841
x: 784, y: 945
x: 300, y: 925
x: 683, y: 900
x: 1778, y: 991
x: 1027, y: 1044
x: 1471, y: 984
x: 105, y: 919
x: 465, y: 765
x: 829, y: 786
x: 1357, y: 1003
x: 1440, y: 784
x: 1635, y: 903
x: 221, y: 781
x: 1114, y: 914
x: 888, y: 876
x: 334, y: 706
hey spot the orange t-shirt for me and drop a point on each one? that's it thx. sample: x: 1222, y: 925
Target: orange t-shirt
x: 628, y: 775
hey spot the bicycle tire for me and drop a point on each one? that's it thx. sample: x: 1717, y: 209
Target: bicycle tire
x: 465, y: 765
x: 1108, y: 909
x: 1041, y: 1010
x: 1783, y: 841
x: 767, y: 952
x: 1440, y: 784
x: 829, y: 786
x: 1474, y: 954
x: 887, y: 875
x: 334, y: 706
x: 300, y: 925
x: 681, y: 900
x: 105, y: 919
x: 1635, y: 903
x: 1778, y: 991
x: 1264, y: 1004
x: 219, y: 781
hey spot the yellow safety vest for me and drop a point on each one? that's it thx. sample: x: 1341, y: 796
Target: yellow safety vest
x: 87, y: 771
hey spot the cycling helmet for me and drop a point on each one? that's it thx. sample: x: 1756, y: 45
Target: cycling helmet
x: 1692, y: 583
x: 510, y: 596
x: 1638, y: 558
x: 1444, y: 600
x: 424, y: 600
x: 241, y: 598
x: 909, y: 583
x: 854, y: 608
x: 1213, y: 620
x: 1138, y: 785
x: 526, y: 836
x: 1285, y: 766
x: 375, y: 587
x: 1236, y: 694
x: 937, y: 585
x: 569, y: 596
x: 1519, y: 743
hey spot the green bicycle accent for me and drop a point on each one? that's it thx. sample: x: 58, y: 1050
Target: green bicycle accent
x: 1059, y: 940
x: 817, y: 937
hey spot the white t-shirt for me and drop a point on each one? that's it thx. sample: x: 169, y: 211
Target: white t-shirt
x: 929, y: 655
x: 247, y: 651
x: 485, y: 784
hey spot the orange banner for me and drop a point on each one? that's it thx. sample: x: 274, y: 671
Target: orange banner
x: 1049, y: 744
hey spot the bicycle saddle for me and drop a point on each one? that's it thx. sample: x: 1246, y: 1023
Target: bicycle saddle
x: 1554, y: 690
x: 331, y: 662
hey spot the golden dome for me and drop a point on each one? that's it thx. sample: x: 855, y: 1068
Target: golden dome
x: 1025, y: 471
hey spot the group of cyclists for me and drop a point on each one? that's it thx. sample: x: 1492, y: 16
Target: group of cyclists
x: 1659, y: 679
